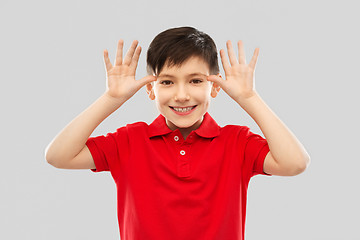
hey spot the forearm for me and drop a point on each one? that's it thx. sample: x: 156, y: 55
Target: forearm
x: 284, y: 146
x: 71, y: 140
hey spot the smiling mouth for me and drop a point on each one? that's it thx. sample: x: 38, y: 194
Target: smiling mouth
x: 183, y: 109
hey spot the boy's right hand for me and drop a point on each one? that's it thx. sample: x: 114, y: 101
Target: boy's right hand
x: 121, y: 83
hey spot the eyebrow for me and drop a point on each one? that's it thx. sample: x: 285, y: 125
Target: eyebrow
x: 189, y: 75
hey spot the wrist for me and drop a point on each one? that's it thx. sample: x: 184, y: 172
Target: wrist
x: 246, y: 99
x: 252, y: 105
x: 117, y: 102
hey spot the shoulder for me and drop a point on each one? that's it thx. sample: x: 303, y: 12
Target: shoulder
x: 233, y: 134
x: 136, y: 128
x: 238, y: 133
x: 133, y: 126
x: 137, y: 125
x: 234, y: 130
x: 128, y: 128
x: 126, y: 133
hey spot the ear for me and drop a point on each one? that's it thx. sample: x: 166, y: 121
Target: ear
x: 215, y: 88
x: 150, y: 90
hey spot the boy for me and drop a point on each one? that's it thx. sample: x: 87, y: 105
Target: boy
x: 182, y: 176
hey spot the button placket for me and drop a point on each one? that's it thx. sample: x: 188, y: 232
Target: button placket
x: 183, y: 162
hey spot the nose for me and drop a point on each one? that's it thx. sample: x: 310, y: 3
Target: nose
x: 181, y: 94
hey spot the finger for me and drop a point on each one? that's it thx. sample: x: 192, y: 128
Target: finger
x: 242, y: 59
x: 130, y: 53
x: 224, y: 61
x: 145, y: 80
x: 253, y: 61
x: 231, y: 53
x: 119, y: 53
x: 107, y: 62
x: 135, y: 59
x: 216, y: 79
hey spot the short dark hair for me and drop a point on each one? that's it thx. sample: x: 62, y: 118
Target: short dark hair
x: 176, y: 45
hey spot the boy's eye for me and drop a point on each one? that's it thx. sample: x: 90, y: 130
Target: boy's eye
x: 165, y: 82
x: 197, y: 80
x: 168, y: 82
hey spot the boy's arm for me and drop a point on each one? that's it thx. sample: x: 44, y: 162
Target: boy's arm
x: 71, y: 140
x: 287, y: 156
x: 68, y: 149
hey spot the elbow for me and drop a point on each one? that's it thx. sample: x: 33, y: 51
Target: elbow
x: 53, y: 162
x: 50, y: 159
x: 303, y: 165
x: 47, y: 155
x: 56, y: 160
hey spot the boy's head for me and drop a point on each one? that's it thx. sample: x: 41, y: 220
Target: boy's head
x: 181, y: 59
x: 174, y: 46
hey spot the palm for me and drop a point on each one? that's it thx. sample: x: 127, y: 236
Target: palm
x: 239, y: 82
x: 240, y: 76
x: 121, y: 81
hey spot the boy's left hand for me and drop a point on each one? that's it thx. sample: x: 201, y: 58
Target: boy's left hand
x: 239, y: 83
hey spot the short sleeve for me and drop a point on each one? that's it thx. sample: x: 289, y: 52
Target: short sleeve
x: 256, y: 149
x: 105, y: 149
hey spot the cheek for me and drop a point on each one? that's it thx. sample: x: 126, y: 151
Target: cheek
x: 204, y: 92
x: 162, y: 96
x: 205, y: 88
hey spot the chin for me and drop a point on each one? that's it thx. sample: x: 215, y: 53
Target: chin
x: 186, y: 123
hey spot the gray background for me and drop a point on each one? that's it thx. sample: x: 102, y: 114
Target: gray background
x: 52, y: 69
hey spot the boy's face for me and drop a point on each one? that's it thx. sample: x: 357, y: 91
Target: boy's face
x: 182, y: 94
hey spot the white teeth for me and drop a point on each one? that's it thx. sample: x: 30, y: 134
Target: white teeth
x: 183, y: 109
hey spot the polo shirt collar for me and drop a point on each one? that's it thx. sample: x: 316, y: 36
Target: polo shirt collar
x: 208, y: 128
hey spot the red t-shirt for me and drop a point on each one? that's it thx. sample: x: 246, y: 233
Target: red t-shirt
x: 169, y: 188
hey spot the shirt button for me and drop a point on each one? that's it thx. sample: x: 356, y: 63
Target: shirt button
x: 182, y: 152
x: 176, y: 138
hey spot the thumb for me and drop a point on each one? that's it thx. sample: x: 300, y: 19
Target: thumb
x: 145, y: 80
x: 216, y: 79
